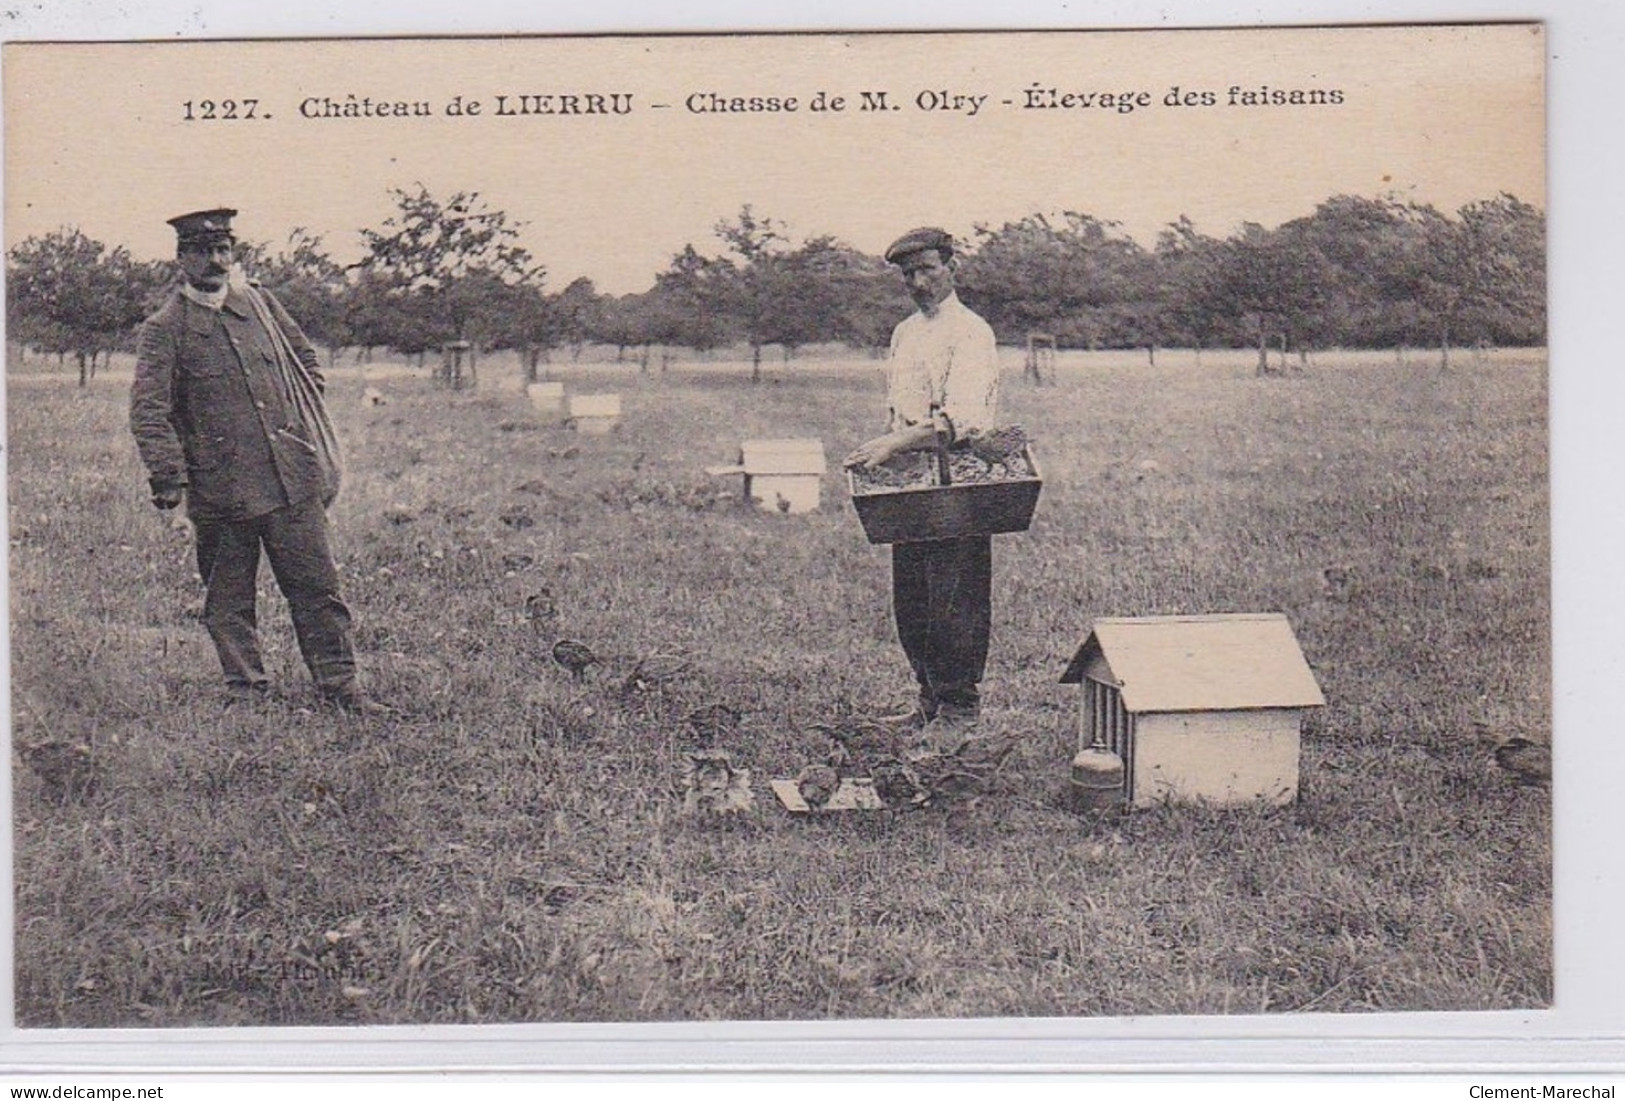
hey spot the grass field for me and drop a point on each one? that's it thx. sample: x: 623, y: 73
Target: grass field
x: 512, y: 850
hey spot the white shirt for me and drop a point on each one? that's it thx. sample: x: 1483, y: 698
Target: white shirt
x: 944, y: 369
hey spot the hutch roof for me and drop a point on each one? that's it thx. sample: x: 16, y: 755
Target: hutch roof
x: 1200, y: 662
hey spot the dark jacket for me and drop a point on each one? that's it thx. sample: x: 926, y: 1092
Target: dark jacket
x: 210, y: 412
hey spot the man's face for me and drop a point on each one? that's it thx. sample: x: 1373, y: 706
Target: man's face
x: 206, y: 265
x: 928, y: 278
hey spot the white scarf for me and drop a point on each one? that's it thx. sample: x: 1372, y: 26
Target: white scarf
x: 212, y: 300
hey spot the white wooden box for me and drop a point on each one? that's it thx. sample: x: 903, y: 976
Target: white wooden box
x: 781, y: 475
x: 547, y: 397
x: 595, y: 414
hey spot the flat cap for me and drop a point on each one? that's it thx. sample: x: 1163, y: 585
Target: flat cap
x: 918, y: 240
x: 204, y: 227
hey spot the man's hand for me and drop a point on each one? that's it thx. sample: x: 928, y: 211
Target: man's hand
x: 873, y: 453
x: 168, y: 497
x: 882, y: 448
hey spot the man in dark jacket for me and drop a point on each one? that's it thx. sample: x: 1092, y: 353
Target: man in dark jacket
x: 226, y: 414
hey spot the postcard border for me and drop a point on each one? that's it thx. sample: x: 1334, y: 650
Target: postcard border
x: 1571, y: 1037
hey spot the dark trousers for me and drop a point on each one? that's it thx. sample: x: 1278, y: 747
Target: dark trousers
x: 942, y: 596
x: 295, y: 541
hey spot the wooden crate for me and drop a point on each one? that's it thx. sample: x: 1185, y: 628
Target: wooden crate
x: 780, y: 475
x: 547, y: 397
x: 919, y: 514
x: 595, y: 414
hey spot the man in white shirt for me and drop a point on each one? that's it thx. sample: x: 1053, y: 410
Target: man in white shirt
x: 943, y: 388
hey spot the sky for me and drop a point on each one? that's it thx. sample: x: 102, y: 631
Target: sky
x: 1437, y: 114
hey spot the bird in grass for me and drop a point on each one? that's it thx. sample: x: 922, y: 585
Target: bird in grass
x: 781, y: 502
x: 65, y: 769
x: 1338, y: 582
x: 711, y: 723
x: 957, y: 766
x: 655, y: 672
x: 541, y: 610
x: 517, y: 517
x: 1529, y: 762
x: 897, y: 784
x: 859, y: 741
x: 985, y: 752
x: 712, y: 784
x: 839, y: 758
x: 817, y: 783
x: 575, y: 656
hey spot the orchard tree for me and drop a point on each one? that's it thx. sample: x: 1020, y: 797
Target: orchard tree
x: 767, y: 290
x: 1363, y: 243
x: 1140, y: 315
x: 371, y: 313
x: 662, y: 315
x: 839, y: 293
x: 576, y: 311
x: 1505, y: 253
x: 446, y: 259
x: 72, y: 295
x: 1315, y: 297
x: 694, y: 303
x: 414, y: 330
x: 1187, y: 267
x: 1432, y: 278
x: 1272, y: 282
x: 623, y: 322
x: 1033, y: 274
x: 1480, y: 275
x: 751, y: 282
x: 816, y: 292
x: 531, y: 327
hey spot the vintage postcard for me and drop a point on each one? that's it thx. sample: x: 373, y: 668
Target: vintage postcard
x: 813, y: 528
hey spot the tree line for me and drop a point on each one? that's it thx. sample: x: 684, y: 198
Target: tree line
x: 1356, y: 272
